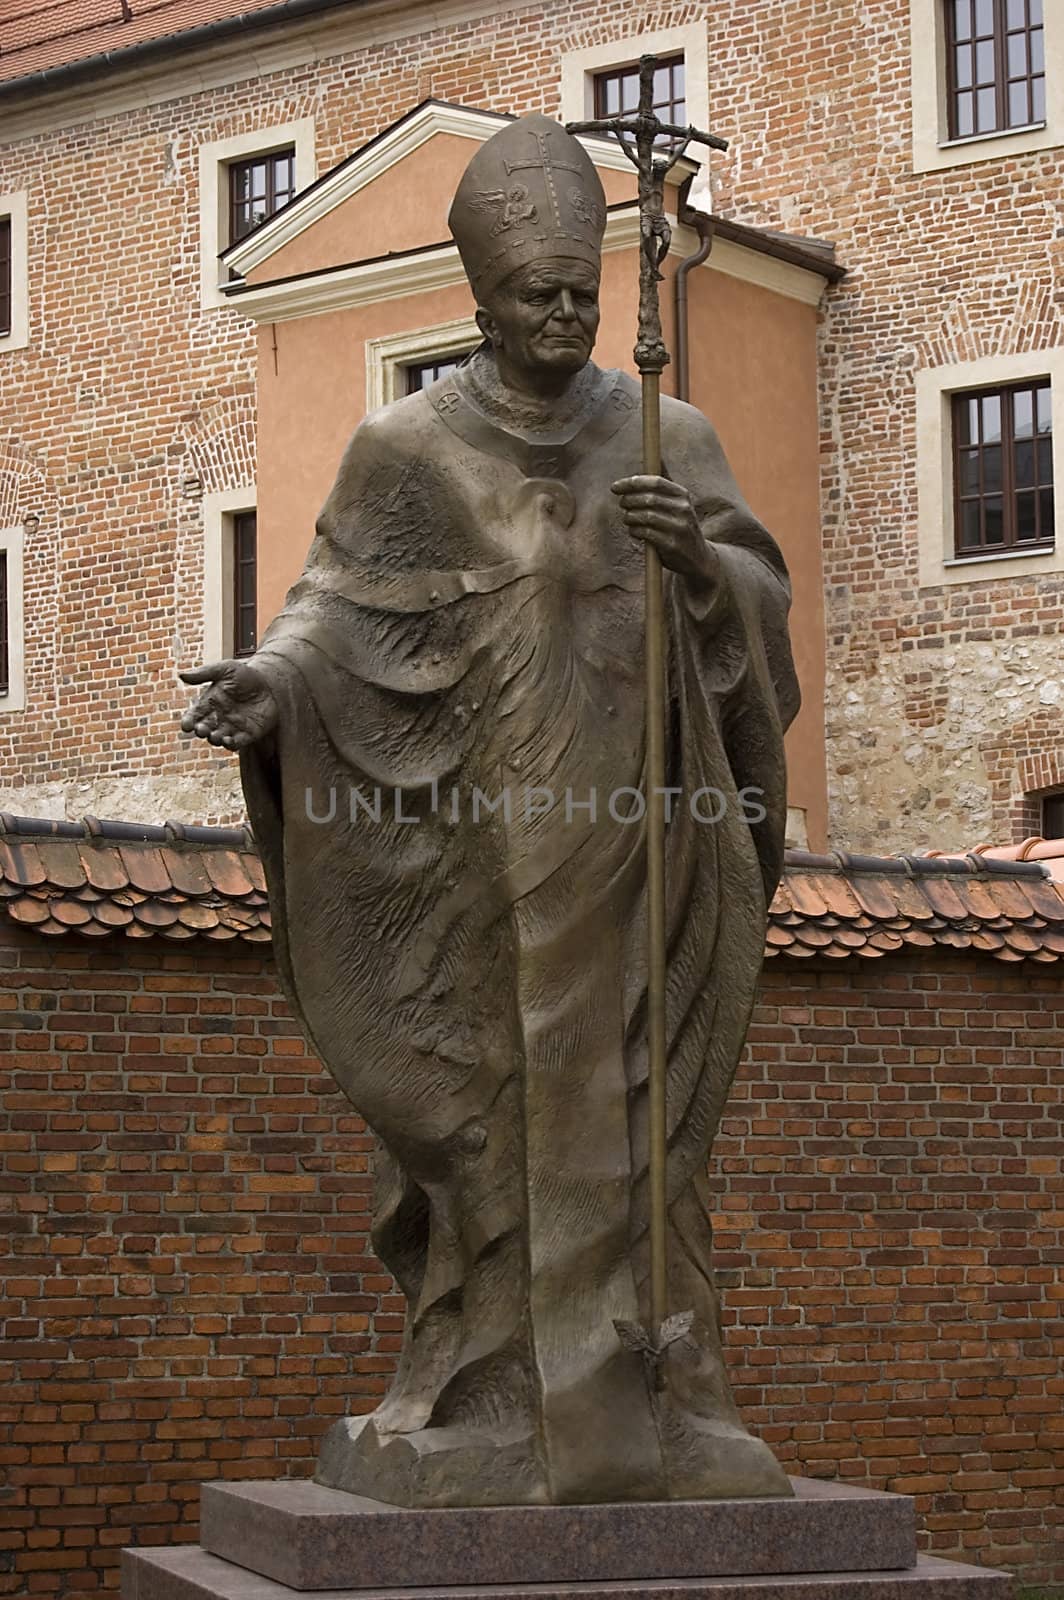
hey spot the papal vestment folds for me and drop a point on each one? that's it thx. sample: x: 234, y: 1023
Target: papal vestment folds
x: 470, y: 618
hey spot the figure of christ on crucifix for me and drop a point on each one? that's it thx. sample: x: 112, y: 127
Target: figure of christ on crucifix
x: 471, y: 617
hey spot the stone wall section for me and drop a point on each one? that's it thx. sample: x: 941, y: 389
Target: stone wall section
x: 188, y: 1291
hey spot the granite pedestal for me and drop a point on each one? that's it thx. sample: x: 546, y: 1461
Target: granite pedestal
x: 276, y: 1541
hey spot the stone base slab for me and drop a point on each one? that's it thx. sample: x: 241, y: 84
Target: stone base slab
x: 193, y: 1574
x: 308, y: 1537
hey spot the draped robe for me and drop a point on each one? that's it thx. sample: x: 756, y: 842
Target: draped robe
x: 469, y: 625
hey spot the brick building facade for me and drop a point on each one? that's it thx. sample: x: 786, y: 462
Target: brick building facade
x: 186, y: 1280
x: 129, y: 403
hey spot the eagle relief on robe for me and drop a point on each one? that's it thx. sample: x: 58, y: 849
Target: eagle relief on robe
x: 450, y: 815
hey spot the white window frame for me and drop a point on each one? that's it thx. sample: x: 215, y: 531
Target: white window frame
x: 933, y: 149
x: 218, y: 512
x: 14, y: 206
x: 387, y: 357
x: 580, y: 68
x: 13, y: 540
x: 935, y: 388
x: 215, y: 158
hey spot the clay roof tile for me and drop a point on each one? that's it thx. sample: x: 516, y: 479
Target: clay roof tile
x: 104, y: 868
x: 29, y: 910
x: 145, y: 868
x: 187, y: 871
x: 61, y: 862
x: 226, y: 871
x: 23, y: 864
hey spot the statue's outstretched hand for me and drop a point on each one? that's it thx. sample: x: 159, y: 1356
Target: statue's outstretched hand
x: 660, y: 511
x: 236, y: 708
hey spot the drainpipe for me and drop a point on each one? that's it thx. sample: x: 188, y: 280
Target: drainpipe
x: 703, y: 226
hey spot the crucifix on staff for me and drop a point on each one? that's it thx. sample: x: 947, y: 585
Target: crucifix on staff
x: 641, y: 138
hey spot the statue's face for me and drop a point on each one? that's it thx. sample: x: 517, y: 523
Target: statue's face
x: 544, y: 317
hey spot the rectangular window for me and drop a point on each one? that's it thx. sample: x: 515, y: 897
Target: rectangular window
x: 259, y: 187
x: 245, y: 583
x: 1003, y: 469
x: 5, y: 275
x: 617, y: 92
x: 5, y: 630
x: 995, y: 65
x: 420, y: 374
x: 1053, y: 816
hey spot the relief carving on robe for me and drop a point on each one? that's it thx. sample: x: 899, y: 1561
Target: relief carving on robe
x: 464, y: 655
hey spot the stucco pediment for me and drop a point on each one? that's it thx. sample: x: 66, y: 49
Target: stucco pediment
x: 392, y: 196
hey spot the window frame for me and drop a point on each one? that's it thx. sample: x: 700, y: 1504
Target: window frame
x: 388, y: 358
x: 1011, y: 542
x: 13, y: 210
x: 690, y: 41
x: 933, y: 150
x: 243, y: 536
x: 12, y: 546
x: 216, y: 157
x: 450, y: 359
x: 938, y: 564
x: 601, y: 79
x: 1002, y: 81
x: 269, y: 158
x: 218, y: 588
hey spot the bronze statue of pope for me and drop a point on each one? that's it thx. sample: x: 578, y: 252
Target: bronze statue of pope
x: 442, y: 742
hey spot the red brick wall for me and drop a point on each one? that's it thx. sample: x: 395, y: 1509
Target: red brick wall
x: 187, y: 1290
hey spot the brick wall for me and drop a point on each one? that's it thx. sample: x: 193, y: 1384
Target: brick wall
x: 131, y: 400
x: 188, y: 1295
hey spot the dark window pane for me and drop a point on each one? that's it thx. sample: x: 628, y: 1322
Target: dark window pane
x: 967, y: 413
x: 421, y: 374
x: 1026, y: 514
x: 1023, y: 413
x: 1002, y: 468
x: 5, y: 642
x: 1045, y: 410
x: 1053, y: 816
x: 1019, y: 104
x: 962, y: 19
x: 1024, y: 465
x: 986, y: 110
x: 5, y: 275
x: 1017, y: 55
x: 970, y: 531
x: 984, y: 62
x: 258, y: 188
x: 991, y: 409
x: 1046, y: 514
x: 245, y: 583
x: 992, y: 470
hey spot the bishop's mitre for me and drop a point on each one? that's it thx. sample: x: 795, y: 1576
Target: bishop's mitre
x: 531, y: 193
